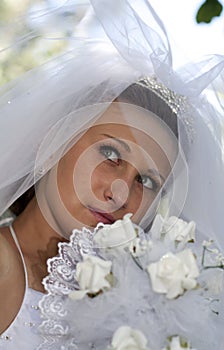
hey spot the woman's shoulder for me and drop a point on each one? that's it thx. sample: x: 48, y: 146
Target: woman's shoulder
x: 10, y: 266
x: 10, y: 259
x: 11, y: 280
x: 6, y: 253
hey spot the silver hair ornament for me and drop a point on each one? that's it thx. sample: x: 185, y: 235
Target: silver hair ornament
x: 176, y: 102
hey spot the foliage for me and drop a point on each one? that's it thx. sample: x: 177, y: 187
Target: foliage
x: 208, y: 10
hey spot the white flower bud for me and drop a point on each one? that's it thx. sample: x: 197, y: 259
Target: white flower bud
x: 126, y: 338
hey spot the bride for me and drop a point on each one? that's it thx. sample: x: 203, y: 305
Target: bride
x: 90, y: 137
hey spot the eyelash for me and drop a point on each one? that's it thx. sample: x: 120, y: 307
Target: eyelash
x: 155, y: 184
x: 105, y: 148
x: 111, y: 148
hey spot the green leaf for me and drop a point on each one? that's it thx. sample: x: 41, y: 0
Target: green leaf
x: 208, y: 10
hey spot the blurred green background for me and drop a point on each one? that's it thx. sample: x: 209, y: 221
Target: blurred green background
x: 31, y: 32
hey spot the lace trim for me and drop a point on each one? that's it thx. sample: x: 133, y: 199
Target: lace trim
x: 59, y: 283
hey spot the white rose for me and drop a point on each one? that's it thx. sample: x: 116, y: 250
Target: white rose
x: 91, y: 275
x: 179, y: 230
x: 126, y: 338
x: 173, y: 274
x: 173, y: 228
x: 119, y: 234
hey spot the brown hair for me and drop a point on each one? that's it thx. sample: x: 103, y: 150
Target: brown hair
x: 142, y: 96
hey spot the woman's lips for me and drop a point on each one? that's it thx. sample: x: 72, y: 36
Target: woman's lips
x: 105, y: 218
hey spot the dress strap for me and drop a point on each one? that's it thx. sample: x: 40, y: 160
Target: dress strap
x: 5, y: 221
x: 20, y: 251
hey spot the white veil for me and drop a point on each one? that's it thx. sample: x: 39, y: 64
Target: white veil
x: 45, y: 96
x: 95, y: 71
x: 43, y: 110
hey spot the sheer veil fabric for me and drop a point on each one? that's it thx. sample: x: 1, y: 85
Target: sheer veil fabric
x: 52, y: 105
x: 43, y: 106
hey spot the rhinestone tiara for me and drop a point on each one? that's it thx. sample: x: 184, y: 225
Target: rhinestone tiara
x: 176, y: 102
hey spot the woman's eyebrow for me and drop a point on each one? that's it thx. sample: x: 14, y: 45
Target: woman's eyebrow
x: 121, y: 142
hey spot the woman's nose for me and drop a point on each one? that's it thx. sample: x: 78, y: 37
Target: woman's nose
x: 119, y: 191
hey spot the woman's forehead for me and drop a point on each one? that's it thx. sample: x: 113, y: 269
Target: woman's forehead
x: 137, y: 125
x: 137, y: 119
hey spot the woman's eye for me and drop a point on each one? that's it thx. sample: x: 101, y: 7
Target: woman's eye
x: 148, y: 182
x: 110, y: 153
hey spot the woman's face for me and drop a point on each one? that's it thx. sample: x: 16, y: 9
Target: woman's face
x: 115, y: 168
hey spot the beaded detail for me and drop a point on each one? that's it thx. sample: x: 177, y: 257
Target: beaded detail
x: 26, y: 323
x: 5, y: 337
x: 176, y: 102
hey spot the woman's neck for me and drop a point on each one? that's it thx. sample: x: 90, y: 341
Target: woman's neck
x: 38, y: 242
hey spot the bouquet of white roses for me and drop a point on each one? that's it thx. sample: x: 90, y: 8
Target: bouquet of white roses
x: 118, y: 288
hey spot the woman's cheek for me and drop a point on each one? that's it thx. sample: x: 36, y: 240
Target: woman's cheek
x: 99, y: 180
x: 143, y: 203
